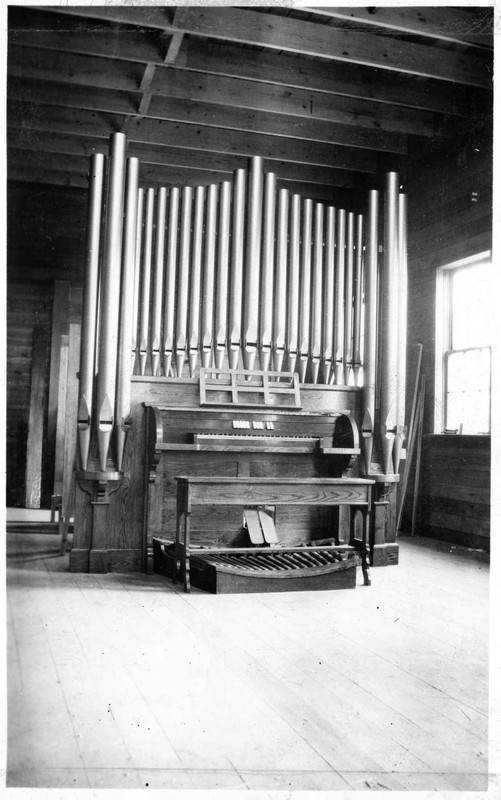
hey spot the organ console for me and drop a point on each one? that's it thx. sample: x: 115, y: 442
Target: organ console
x: 204, y: 285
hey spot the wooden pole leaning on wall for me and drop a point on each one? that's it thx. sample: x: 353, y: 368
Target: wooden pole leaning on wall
x: 267, y: 271
x: 370, y: 339
x: 292, y: 335
x: 389, y: 325
x: 109, y: 307
x: 328, y: 293
x: 158, y: 278
x: 90, y: 305
x: 236, y: 268
x: 252, y: 262
x: 144, y: 329
x: 126, y: 309
x: 196, y: 279
x: 280, y: 299
x: 170, y: 280
x: 222, y: 273
x: 208, y: 279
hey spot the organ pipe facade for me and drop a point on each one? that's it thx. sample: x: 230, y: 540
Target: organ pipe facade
x: 241, y: 274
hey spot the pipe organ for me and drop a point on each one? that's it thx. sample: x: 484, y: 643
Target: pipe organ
x: 243, y: 275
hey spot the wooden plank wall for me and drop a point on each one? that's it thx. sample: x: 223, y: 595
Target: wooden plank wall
x: 450, y: 218
x: 45, y: 244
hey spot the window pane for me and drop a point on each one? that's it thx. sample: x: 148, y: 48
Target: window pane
x: 468, y: 391
x: 468, y: 369
x: 468, y: 412
x: 471, y: 306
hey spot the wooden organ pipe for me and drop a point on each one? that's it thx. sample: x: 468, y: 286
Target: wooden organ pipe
x: 267, y: 271
x: 222, y: 273
x: 389, y: 328
x: 348, y: 298
x: 316, y: 293
x: 280, y: 300
x: 137, y: 273
x: 305, y: 289
x: 183, y: 274
x: 328, y: 294
x: 370, y: 334
x: 124, y: 370
x: 358, y: 294
x: 209, y: 275
x: 402, y: 329
x: 292, y: 337
x: 158, y: 276
x: 338, y: 343
x: 90, y: 301
x: 195, y: 286
x: 170, y: 280
x: 252, y: 265
x: 146, y: 281
x: 109, y: 301
x: 237, y: 257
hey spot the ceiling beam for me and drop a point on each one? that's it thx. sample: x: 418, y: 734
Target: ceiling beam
x: 285, y: 33
x: 32, y: 50
x: 215, y: 116
x: 191, y: 137
x: 451, y: 24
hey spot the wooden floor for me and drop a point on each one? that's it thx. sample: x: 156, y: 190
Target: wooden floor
x: 125, y: 681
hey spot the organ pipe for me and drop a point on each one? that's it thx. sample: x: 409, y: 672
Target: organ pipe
x: 209, y: 275
x: 146, y: 281
x: 137, y: 273
x: 370, y: 338
x: 389, y: 338
x: 109, y: 301
x: 357, y: 306
x: 292, y: 337
x: 90, y: 301
x: 338, y: 345
x: 237, y: 256
x: 195, y: 288
x: 252, y: 263
x: 348, y: 298
x: 157, y: 297
x: 126, y: 308
x: 402, y: 329
x: 280, y: 301
x: 305, y: 289
x: 183, y: 278
x: 223, y: 251
x: 316, y: 294
x: 267, y: 271
x: 328, y: 293
x: 170, y: 280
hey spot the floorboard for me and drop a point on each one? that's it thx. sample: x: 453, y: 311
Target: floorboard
x: 124, y: 681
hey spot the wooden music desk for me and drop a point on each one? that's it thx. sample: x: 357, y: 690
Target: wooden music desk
x: 254, y: 492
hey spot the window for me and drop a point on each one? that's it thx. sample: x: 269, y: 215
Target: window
x: 463, y: 346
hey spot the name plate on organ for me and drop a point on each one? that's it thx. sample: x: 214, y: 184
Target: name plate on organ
x: 242, y: 387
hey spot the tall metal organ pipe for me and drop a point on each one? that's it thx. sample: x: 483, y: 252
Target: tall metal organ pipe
x: 267, y: 271
x: 137, y: 273
x: 316, y: 292
x: 389, y: 337
x: 292, y: 337
x: 280, y: 301
x: 90, y: 302
x: 252, y: 263
x: 209, y: 275
x: 328, y: 311
x: 338, y: 347
x: 124, y: 371
x: 170, y: 280
x: 109, y: 305
x: 183, y: 273
x: 144, y: 330
x: 237, y: 259
x: 358, y: 290
x: 348, y: 297
x: 305, y: 289
x: 402, y: 329
x: 371, y: 331
x: 158, y: 276
x: 222, y: 273
x: 196, y: 279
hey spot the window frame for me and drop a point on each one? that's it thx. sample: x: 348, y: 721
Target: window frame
x: 443, y: 336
